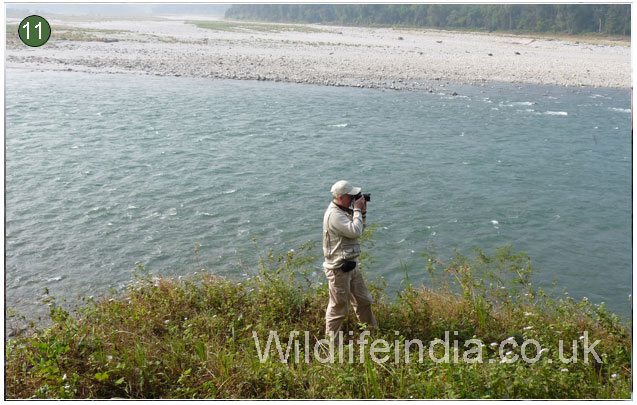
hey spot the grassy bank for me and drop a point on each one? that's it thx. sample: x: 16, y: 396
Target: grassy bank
x: 238, y: 26
x: 194, y: 337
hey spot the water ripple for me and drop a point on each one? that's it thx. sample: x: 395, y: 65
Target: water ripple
x: 134, y: 176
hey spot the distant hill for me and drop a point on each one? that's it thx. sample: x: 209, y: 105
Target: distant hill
x: 609, y: 19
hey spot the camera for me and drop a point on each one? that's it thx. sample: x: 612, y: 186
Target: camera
x: 367, y: 197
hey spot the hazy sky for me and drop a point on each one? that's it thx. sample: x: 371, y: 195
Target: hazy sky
x: 119, y: 8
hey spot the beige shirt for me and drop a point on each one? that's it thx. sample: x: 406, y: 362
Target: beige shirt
x: 341, y: 230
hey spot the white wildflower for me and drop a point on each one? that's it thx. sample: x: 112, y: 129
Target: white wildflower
x: 564, y: 370
x: 109, y: 358
x: 527, y: 327
x: 611, y: 376
x: 581, y: 337
x: 528, y: 313
x: 167, y: 321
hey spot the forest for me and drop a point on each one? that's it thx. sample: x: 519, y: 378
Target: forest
x: 604, y: 19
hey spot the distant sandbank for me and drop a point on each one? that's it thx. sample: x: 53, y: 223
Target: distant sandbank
x: 327, y: 55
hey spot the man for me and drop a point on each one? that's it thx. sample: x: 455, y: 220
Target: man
x: 342, y: 227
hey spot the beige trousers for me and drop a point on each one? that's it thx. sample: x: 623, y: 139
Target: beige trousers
x: 344, y: 287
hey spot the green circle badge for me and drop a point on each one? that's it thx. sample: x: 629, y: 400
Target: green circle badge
x: 34, y: 31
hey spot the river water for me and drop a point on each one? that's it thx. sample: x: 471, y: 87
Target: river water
x: 103, y: 171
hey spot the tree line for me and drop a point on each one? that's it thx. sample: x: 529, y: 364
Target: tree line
x: 608, y: 19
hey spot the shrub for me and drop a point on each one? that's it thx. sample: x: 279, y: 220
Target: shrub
x: 194, y: 337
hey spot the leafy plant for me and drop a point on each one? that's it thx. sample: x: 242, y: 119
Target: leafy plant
x: 194, y: 337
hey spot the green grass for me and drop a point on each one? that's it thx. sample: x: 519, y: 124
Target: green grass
x: 12, y: 34
x: 67, y: 33
x: 233, y: 26
x: 192, y: 337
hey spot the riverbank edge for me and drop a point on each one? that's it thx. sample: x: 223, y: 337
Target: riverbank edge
x: 198, y: 337
x: 260, y: 56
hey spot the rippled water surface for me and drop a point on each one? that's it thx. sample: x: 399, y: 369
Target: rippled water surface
x: 103, y: 171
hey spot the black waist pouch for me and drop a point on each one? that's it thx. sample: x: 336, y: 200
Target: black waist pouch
x: 348, y: 265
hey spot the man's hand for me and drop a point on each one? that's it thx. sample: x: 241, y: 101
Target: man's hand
x: 360, y: 204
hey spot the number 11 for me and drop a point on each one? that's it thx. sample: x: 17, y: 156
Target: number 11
x: 38, y: 26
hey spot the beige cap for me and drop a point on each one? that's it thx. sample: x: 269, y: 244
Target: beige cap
x: 342, y: 187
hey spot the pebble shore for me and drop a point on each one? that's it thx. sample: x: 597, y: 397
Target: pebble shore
x: 400, y: 59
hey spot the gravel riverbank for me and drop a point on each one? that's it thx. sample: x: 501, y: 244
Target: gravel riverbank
x: 326, y: 55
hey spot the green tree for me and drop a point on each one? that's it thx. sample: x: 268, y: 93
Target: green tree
x: 561, y: 18
x: 437, y: 15
x: 420, y: 15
